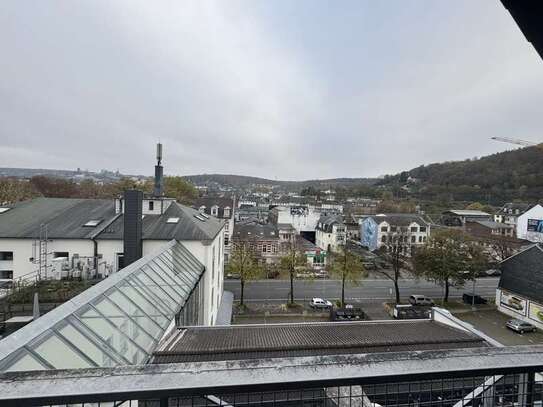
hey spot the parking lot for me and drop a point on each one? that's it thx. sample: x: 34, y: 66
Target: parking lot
x: 493, y: 322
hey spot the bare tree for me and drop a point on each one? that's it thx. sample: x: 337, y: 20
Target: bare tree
x: 243, y: 263
x: 348, y: 266
x: 292, y: 261
x: 397, y: 251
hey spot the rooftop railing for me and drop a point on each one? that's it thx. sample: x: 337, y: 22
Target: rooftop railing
x: 480, y: 377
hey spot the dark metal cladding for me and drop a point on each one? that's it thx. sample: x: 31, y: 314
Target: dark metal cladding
x: 159, y: 181
x: 132, y: 236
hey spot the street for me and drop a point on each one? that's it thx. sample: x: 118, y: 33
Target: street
x: 369, y: 290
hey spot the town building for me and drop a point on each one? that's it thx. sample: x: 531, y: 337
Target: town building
x: 520, y: 290
x: 459, y: 217
x: 223, y: 208
x: 510, y: 212
x: 489, y: 228
x: 263, y: 239
x: 331, y: 233
x: 530, y: 224
x: 57, y: 238
x: 384, y: 229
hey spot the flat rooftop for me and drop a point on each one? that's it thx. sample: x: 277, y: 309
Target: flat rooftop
x: 238, y: 342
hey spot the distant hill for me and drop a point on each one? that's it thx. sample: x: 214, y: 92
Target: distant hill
x: 500, y: 177
x: 246, y: 181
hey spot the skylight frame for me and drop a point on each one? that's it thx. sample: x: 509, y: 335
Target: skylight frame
x: 93, y: 223
x: 173, y: 220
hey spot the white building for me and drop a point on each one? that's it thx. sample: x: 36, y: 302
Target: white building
x: 222, y: 208
x: 330, y: 233
x: 55, y: 237
x: 510, y: 212
x: 530, y: 224
x: 384, y: 229
x: 302, y: 218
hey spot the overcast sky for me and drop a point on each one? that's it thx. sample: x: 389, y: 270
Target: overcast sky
x: 277, y: 89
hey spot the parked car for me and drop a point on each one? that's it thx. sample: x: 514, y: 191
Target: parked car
x: 405, y: 311
x: 417, y: 299
x: 319, y: 303
x: 520, y: 326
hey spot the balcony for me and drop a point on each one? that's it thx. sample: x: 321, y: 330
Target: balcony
x: 508, y: 376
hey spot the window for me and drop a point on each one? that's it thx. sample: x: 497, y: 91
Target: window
x: 6, y: 255
x: 383, y: 239
x: 215, y: 210
x: 420, y: 239
x: 227, y: 212
x: 151, y: 205
x: 413, y: 239
x: 226, y: 240
x: 93, y: 223
x: 172, y: 220
x: 393, y: 228
x: 414, y: 229
x: 422, y: 229
x: 60, y: 254
x: 384, y: 228
x: 6, y: 274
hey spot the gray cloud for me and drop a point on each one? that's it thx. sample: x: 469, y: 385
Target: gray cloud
x: 273, y: 89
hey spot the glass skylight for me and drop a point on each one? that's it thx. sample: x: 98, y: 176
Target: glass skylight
x: 172, y: 220
x: 2, y: 210
x: 119, y: 321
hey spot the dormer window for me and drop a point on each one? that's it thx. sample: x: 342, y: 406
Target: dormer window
x: 202, y: 209
x: 215, y: 210
x: 227, y: 212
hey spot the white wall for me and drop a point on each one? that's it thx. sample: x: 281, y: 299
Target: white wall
x: 302, y: 223
x: 22, y: 251
x: 522, y: 224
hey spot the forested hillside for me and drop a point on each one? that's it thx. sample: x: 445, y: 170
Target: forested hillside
x: 506, y: 176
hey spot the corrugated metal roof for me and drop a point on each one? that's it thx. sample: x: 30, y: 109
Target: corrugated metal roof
x: 285, y: 340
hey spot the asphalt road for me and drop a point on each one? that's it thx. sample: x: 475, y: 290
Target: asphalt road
x: 369, y: 290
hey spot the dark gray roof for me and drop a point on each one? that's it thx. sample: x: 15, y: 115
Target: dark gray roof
x: 64, y: 217
x: 287, y: 340
x: 493, y: 225
x: 210, y: 201
x: 523, y: 273
x: 327, y: 221
x: 514, y: 207
x: 155, y: 227
x: 255, y: 231
x: 399, y: 219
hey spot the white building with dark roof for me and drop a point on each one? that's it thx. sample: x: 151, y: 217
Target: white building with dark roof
x: 223, y: 208
x: 382, y: 229
x: 330, y: 233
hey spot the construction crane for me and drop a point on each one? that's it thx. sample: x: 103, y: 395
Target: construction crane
x: 516, y: 141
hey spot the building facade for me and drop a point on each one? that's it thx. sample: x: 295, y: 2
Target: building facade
x: 381, y: 230
x: 331, y: 233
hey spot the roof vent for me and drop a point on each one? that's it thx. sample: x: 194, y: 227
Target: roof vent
x: 200, y: 217
x: 2, y: 210
x: 93, y: 223
x: 172, y: 220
